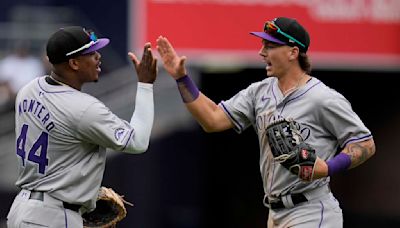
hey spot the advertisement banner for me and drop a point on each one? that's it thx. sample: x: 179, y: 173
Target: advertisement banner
x: 344, y: 33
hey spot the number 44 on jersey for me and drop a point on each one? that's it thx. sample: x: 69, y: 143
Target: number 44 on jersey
x: 41, y: 143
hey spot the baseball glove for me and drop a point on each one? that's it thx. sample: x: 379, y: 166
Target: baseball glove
x: 290, y: 150
x: 110, y: 209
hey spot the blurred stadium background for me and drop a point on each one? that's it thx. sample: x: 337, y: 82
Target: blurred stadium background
x: 190, y: 179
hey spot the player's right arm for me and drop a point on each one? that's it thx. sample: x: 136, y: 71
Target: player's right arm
x: 208, y: 114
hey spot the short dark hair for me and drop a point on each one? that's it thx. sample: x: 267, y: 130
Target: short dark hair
x: 304, y: 62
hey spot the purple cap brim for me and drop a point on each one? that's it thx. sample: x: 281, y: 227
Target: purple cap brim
x: 102, y: 42
x: 266, y: 36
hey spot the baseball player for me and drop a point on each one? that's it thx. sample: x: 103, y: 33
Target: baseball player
x: 62, y: 133
x: 325, y: 119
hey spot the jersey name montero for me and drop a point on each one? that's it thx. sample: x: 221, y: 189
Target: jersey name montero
x: 38, y: 110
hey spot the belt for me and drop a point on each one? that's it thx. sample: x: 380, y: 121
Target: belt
x: 296, y: 199
x: 289, y: 201
x: 40, y: 196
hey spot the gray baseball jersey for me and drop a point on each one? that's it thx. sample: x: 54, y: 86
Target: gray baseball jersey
x: 327, y: 122
x: 62, y: 134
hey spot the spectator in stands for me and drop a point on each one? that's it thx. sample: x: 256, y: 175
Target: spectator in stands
x: 16, y: 70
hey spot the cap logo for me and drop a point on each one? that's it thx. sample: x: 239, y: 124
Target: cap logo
x: 91, y: 35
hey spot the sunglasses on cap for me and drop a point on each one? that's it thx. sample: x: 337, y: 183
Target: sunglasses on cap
x: 93, y: 41
x: 271, y: 28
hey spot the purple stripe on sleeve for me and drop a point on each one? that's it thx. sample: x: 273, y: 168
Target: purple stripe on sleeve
x: 351, y: 140
x: 129, y: 138
x: 230, y: 115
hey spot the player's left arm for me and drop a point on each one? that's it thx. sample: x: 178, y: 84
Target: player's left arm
x: 359, y: 152
x: 99, y: 125
x: 346, y: 126
x: 143, y: 116
x: 353, y: 155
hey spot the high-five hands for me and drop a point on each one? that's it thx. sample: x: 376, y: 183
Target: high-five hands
x: 146, y: 68
x: 173, y: 64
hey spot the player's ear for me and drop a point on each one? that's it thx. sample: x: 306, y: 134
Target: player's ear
x: 294, y: 53
x: 73, y: 63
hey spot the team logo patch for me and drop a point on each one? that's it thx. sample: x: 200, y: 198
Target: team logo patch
x: 119, y: 133
x: 304, y: 153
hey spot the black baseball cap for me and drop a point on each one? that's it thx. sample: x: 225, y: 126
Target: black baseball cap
x: 72, y: 41
x: 286, y: 31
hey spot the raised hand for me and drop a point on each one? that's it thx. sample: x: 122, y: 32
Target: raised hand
x: 173, y: 64
x: 147, y: 68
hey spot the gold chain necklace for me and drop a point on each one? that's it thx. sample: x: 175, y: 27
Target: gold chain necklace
x: 296, y: 86
x: 59, y: 82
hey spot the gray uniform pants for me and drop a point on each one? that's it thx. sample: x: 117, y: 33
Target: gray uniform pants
x: 320, y: 211
x: 32, y: 213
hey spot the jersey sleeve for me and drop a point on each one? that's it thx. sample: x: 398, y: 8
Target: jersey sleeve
x: 339, y: 118
x: 240, y: 109
x: 98, y: 125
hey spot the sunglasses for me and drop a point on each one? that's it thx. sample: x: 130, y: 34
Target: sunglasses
x: 93, y: 40
x: 272, y: 29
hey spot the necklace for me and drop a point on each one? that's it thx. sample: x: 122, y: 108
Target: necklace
x: 290, y: 90
x: 59, y: 82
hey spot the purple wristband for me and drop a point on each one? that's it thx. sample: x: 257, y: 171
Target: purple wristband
x: 339, y: 163
x: 188, y: 90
